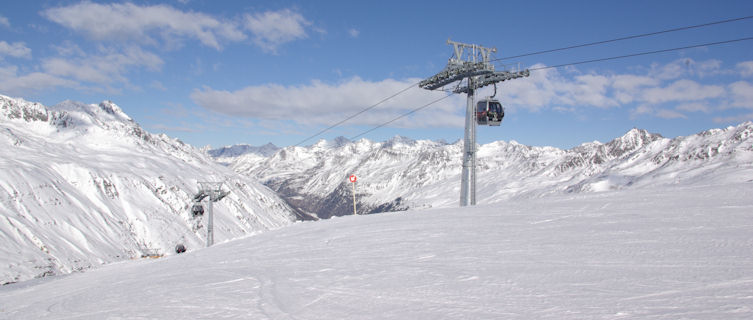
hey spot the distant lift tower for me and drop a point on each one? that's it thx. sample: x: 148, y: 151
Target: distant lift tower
x: 212, y: 190
x: 471, y: 63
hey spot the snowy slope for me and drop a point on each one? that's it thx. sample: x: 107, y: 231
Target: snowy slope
x: 83, y: 185
x: 402, y: 173
x: 650, y: 253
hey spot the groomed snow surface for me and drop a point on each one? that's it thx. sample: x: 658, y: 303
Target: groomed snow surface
x: 671, y: 253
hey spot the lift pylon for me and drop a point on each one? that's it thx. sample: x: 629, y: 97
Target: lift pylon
x: 212, y: 190
x: 471, y: 63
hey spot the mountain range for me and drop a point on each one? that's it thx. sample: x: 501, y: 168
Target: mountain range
x: 83, y: 185
x: 402, y: 173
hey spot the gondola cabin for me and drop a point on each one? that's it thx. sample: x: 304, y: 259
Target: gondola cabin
x: 489, y: 112
x: 197, y: 210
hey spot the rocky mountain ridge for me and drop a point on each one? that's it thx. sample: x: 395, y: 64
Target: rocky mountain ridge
x: 403, y: 173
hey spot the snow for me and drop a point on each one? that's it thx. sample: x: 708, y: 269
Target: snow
x: 403, y: 173
x: 680, y: 252
x: 83, y: 185
x: 642, y: 227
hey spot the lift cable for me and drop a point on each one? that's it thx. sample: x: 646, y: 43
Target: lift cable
x: 550, y: 67
x: 356, y: 114
x: 624, y: 38
x: 401, y: 116
x: 541, y: 52
x: 642, y: 53
x: 559, y: 66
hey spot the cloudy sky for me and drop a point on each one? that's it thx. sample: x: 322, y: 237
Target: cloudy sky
x: 228, y: 72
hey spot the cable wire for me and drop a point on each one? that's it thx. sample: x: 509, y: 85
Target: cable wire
x: 559, y: 66
x: 624, y: 38
x: 356, y: 114
x: 641, y: 53
x: 546, y: 67
x: 401, y: 116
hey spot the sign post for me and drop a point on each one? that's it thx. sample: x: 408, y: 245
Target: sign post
x: 353, y: 181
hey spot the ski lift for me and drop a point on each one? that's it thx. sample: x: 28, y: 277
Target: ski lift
x: 197, y: 210
x: 489, y: 111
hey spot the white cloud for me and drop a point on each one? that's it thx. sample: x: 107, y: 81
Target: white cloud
x: 68, y: 48
x: 157, y: 85
x: 742, y: 94
x: 128, y: 21
x: 18, y: 85
x: 149, y: 24
x: 655, y: 112
x: 591, y: 90
x: 627, y: 86
x: 641, y: 110
x: 354, y: 32
x: 734, y: 119
x: 669, y: 114
x: 4, y: 22
x: 321, y: 103
x: 668, y: 91
x: 745, y: 68
x: 694, y: 107
x: 685, y: 67
x: 16, y: 49
x: 682, y: 90
x: 670, y: 71
x: 645, y: 93
x: 274, y: 28
x: 548, y: 87
x: 106, y: 68
x: 707, y: 68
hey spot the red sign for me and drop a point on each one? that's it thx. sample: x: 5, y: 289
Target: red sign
x: 352, y: 178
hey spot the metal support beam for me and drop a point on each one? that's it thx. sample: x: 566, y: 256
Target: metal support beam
x: 210, y: 224
x: 468, y: 175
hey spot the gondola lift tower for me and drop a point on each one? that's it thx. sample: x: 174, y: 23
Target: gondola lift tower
x: 213, y: 191
x: 472, y: 63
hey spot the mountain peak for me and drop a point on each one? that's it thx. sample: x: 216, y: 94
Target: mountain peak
x: 633, y: 139
x: 336, y: 143
x: 113, y: 109
x: 16, y: 108
x: 241, y: 149
x: 398, y: 140
x: 341, y: 141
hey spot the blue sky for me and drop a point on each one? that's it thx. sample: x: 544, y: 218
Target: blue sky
x: 229, y: 72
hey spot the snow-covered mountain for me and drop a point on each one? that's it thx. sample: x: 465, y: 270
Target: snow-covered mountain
x: 241, y: 149
x: 82, y: 185
x: 402, y: 173
x: 226, y: 154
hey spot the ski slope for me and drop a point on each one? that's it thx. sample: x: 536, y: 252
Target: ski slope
x: 683, y: 252
x: 82, y: 185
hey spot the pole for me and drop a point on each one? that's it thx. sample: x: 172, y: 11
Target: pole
x: 468, y: 175
x: 210, y: 222
x: 354, y: 198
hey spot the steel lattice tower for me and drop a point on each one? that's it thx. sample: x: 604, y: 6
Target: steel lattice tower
x: 471, y: 63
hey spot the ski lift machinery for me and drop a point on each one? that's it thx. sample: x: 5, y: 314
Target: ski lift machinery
x: 471, y: 65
